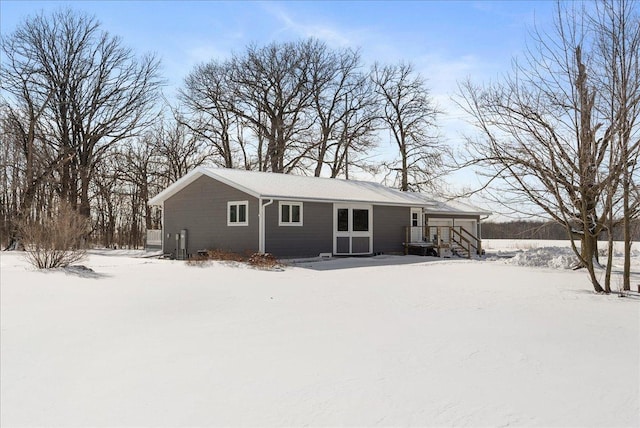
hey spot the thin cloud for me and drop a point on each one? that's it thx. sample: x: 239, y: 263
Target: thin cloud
x: 299, y: 27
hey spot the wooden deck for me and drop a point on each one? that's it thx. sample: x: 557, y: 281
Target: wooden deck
x: 446, y: 241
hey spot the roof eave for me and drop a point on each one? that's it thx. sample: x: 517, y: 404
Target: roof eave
x: 343, y: 201
x: 453, y: 213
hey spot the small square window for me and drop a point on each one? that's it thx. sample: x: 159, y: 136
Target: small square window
x: 237, y: 213
x: 290, y: 214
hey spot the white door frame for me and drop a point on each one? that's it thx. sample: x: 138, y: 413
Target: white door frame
x: 444, y: 223
x: 416, y: 234
x: 350, y: 233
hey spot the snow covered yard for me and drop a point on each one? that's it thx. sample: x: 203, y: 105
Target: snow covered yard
x: 384, y: 341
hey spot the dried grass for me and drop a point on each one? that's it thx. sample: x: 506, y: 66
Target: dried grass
x: 257, y: 260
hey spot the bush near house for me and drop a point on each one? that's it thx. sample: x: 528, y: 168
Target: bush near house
x: 56, y: 241
x: 259, y: 260
x: 263, y: 261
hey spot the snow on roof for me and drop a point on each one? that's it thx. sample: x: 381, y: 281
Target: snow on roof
x: 287, y: 186
x: 440, y: 206
x: 295, y: 187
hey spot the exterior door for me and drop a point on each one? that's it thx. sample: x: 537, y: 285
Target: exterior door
x: 469, y: 225
x: 353, y: 229
x: 440, y: 227
x: 416, y: 225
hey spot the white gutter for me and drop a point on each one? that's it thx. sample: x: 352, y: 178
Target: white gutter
x: 261, y: 227
x: 162, y: 228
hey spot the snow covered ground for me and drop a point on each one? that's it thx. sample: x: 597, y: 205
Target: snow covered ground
x: 382, y: 341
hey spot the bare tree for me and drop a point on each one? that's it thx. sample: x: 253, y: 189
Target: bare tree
x: 23, y: 106
x: 344, y: 103
x: 356, y: 134
x: 177, y: 149
x: 98, y: 91
x: 617, y: 43
x: 410, y: 116
x: 549, y: 132
x: 282, y: 107
x: 107, y: 200
x: 208, y: 100
x: 11, y: 182
x: 272, y: 88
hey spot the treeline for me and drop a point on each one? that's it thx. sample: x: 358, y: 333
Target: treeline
x: 84, y: 122
x: 543, y: 230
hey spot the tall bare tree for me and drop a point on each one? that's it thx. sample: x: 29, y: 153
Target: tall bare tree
x: 177, y: 149
x: 208, y: 100
x: 24, y: 104
x: 550, y: 133
x: 273, y: 90
x: 282, y: 107
x: 345, y: 105
x: 617, y: 43
x: 410, y: 115
x: 97, y: 91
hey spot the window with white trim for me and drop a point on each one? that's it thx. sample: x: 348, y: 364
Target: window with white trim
x: 290, y: 214
x: 238, y: 213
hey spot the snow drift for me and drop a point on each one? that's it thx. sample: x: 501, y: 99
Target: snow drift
x: 381, y: 341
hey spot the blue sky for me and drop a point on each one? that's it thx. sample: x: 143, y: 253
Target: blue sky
x: 446, y: 41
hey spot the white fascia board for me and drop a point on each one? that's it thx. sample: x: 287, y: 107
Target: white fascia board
x: 344, y: 201
x: 457, y: 213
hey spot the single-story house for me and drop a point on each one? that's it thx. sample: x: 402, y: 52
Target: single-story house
x: 297, y: 216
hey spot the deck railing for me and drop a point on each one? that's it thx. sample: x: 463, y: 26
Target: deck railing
x: 443, y: 236
x: 460, y: 241
x: 474, y: 242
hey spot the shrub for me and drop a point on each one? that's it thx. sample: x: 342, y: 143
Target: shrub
x: 259, y: 260
x: 204, y: 258
x: 225, y: 256
x: 198, y: 260
x: 263, y: 261
x: 55, y: 241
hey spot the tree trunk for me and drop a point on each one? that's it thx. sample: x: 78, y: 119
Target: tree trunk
x: 607, y: 280
x: 85, y: 206
x: 404, y: 186
x: 588, y: 250
x: 626, y: 226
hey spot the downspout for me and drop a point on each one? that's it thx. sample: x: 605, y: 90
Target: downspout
x: 162, y: 229
x: 261, y: 226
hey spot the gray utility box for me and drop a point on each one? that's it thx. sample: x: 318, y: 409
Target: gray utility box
x: 181, y: 245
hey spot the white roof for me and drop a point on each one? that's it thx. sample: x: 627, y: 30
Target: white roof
x: 268, y: 185
x: 453, y: 207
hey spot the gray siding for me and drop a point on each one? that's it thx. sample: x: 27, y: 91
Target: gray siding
x: 312, y: 238
x: 389, y: 228
x: 201, y: 208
